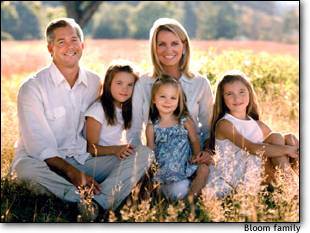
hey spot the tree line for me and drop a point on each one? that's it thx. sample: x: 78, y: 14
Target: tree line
x: 122, y: 19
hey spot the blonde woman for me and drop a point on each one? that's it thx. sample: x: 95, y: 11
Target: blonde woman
x: 170, y: 53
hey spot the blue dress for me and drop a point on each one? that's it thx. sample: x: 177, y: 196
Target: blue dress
x: 172, y: 153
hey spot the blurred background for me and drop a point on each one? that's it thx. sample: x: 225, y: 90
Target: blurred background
x: 204, y: 20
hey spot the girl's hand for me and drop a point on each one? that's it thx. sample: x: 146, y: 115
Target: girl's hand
x: 124, y: 151
x: 203, y: 157
x: 291, y: 140
x: 292, y: 151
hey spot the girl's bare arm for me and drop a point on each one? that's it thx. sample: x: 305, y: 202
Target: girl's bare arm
x: 150, y: 141
x: 226, y: 130
x: 193, y: 136
x: 93, y: 128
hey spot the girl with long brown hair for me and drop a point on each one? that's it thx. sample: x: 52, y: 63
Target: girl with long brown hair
x: 241, y: 140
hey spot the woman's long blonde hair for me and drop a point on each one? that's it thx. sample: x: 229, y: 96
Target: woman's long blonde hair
x: 171, y: 25
x: 220, y: 108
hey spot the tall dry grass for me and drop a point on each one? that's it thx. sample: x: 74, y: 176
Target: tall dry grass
x: 276, y: 81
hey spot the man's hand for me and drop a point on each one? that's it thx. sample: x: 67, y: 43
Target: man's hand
x: 80, y: 179
x: 76, y: 177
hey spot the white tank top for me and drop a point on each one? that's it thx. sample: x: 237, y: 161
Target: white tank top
x: 247, y: 128
x: 235, y: 165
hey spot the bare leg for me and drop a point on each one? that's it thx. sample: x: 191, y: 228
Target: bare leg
x: 269, y: 171
x: 291, y: 140
x: 200, y: 180
x: 282, y: 162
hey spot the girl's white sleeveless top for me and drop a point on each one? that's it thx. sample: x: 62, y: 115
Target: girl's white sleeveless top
x: 234, y: 165
x: 247, y: 128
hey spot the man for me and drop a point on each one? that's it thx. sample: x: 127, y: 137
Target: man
x: 51, y: 151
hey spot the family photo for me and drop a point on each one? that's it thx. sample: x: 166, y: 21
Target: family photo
x: 118, y: 111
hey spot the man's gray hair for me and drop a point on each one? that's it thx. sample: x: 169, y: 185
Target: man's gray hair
x: 59, y: 23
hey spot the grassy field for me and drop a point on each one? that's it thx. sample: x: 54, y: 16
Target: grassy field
x: 273, y: 69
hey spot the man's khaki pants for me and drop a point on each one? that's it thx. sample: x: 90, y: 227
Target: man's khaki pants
x: 116, y: 177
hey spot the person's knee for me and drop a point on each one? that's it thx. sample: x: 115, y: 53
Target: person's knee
x: 177, y: 190
x: 23, y: 171
x: 280, y: 161
x: 291, y: 140
x: 275, y: 138
x: 203, y: 172
x: 145, y: 155
x: 26, y: 174
x: 203, y: 169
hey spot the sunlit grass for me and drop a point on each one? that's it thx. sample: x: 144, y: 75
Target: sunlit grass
x: 275, y: 79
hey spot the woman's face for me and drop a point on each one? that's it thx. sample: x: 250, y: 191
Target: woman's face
x: 169, y: 48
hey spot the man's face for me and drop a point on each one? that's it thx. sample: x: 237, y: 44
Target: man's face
x: 66, y: 48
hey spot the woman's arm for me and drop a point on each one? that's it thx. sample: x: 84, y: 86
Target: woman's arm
x: 134, y: 133
x: 193, y: 137
x: 149, y: 131
x: 93, y: 128
x: 226, y: 130
x: 205, y: 105
x: 200, y: 157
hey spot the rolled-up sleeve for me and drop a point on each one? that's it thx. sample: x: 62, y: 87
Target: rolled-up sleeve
x: 134, y: 133
x: 38, y: 138
x: 96, y: 111
x: 205, y: 106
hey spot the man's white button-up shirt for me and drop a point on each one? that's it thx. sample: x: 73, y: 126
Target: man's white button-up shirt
x: 51, y: 114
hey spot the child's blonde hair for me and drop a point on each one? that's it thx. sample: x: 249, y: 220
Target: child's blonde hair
x: 220, y: 108
x: 181, y: 110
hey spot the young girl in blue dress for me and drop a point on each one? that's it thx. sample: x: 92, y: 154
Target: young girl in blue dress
x: 171, y: 134
x: 242, y: 141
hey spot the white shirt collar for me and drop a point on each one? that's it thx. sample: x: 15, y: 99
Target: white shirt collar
x: 182, y: 78
x: 186, y: 79
x: 58, y: 77
x: 82, y: 77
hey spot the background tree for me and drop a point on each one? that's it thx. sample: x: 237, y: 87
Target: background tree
x: 20, y: 20
x: 255, y: 20
x: 217, y: 20
x: 146, y: 13
x: 81, y: 11
x: 291, y: 21
x: 206, y: 21
x: 106, y: 25
x: 190, y: 17
x: 227, y: 20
